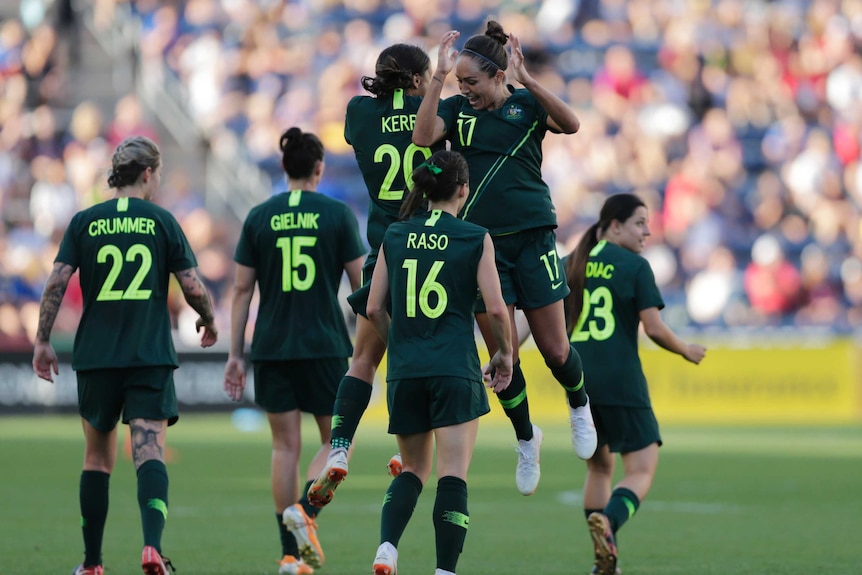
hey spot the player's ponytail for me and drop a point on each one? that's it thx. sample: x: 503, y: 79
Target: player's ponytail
x: 436, y: 179
x: 576, y: 275
x: 618, y: 207
x: 395, y: 68
x: 131, y: 159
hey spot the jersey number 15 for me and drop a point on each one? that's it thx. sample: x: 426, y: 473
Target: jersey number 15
x: 292, y: 259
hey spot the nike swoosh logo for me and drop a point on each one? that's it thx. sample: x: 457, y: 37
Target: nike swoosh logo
x: 556, y: 285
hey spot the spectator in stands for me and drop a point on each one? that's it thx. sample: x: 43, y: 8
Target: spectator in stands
x: 129, y: 121
x: 780, y: 73
x: 772, y: 284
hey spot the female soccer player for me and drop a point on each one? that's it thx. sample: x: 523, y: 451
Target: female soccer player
x: 379, y: 127
x: 499, y: 130
x: 613, y: 290
x: 295, y: 246
x: 432, y: 266
x: 126, y: 249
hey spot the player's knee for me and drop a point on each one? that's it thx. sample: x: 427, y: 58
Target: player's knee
x: 556, y: 356
x: 362, y: 369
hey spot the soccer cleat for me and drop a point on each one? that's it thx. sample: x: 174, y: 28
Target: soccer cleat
x: 290, y: 565
x: 603, y: 543
x: 584, y: 438
x: 395, y: 466
x: 385, y: 562
x: 528, y: 472
x: 595, y: 570
x: 304, y: 529
x: 152, y: 562
x: 322, y: 490
x: 92, y: 570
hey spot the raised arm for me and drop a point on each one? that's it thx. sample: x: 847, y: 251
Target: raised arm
x: 196, y: 295
x: 498, y: 317
x: 429, y: 127
x: 659, y: 332
x: 376, y: 306
x: 44, y: 358
x: 561, y: 118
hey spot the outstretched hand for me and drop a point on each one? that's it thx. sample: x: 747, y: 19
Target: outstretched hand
x: 516, y: 61
x: 498, y: 373
x: 445, y: 54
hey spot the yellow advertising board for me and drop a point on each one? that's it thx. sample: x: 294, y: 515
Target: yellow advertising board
x: 798, y: 383
x: 795, y: 384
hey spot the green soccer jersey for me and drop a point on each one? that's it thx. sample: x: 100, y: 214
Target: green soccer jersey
x: 298, y: 243
x: 504, y: 151
x: 620, y: 283
x: 381, y: 133
x: 432, y: 260
x: 125, y: 249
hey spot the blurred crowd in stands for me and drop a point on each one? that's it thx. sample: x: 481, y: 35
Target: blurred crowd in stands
x: 739, y: 122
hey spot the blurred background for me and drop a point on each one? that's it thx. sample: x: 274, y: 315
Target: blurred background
x: 739, y: 122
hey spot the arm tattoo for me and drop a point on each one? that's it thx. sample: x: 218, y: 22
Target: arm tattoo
x: 196, y: 293
x: 52, y: 297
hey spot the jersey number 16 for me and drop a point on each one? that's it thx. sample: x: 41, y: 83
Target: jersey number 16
x: 429, y: 285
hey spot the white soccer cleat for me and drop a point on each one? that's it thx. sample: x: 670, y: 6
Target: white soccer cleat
x: 290, y: 565
x: 395, y: 465
x: 528, y: 472
x: 386, y: 560
x: 584, y: 438
x: 304, y: 529
x: 334, y: 471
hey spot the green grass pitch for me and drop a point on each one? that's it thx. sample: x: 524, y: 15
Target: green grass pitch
x: 725, y: 501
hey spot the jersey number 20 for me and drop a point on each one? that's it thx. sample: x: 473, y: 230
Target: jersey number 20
x: 395, y: 164
x: 597, y: 316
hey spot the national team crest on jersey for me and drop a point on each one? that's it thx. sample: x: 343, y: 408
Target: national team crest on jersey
x: 514, y: 112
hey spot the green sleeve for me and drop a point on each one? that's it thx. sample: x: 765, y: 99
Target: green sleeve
x: 180, y: 255
x: 351, y: 240
x: 69, y: 252
x: 245, y: 253
x: 448, y: 110
x: 647, y: 294
x: 347, y: 122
